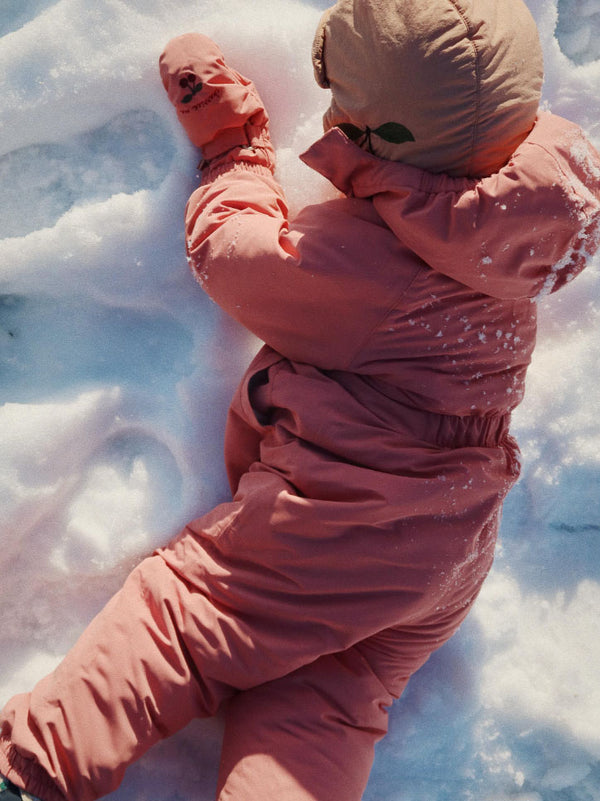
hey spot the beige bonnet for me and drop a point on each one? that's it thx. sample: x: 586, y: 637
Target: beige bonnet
x: 446, y: 85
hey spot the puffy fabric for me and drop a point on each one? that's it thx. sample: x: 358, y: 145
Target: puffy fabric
x: 451, y: 86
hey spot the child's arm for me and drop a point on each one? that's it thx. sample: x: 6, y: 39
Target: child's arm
x: 239, y: 243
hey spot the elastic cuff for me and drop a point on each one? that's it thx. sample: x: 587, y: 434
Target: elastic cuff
x: 254, y: 160
x: 27, y: 774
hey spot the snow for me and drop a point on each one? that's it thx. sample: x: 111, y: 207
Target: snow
x: 116, y: 370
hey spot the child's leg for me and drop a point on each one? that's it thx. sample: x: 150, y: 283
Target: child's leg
x: 308, y: 736
x: 128, y: 682
x: 170, y: 646
x: 247, y: 594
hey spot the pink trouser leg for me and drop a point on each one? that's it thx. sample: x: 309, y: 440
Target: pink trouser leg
x: 246, y: 595
x: 156, y: 657
x: 308, y: 736
x: 128, y: 682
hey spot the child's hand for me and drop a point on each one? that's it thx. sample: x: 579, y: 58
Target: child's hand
x: 218, y: 107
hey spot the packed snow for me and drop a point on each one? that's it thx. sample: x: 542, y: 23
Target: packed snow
x: 116, y: 370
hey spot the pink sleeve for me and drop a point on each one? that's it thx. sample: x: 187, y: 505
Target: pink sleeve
x: 303, y: 289
x: 241, y: 251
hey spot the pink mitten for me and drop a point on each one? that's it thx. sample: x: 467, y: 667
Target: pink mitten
x: 219, y: 108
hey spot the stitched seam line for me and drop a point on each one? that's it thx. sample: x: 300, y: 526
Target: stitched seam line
x: 477, y: 81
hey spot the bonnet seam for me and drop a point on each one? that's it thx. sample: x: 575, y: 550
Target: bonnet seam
x: 465, y: 21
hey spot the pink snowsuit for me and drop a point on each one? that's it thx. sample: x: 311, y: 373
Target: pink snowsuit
x: 368, y: 453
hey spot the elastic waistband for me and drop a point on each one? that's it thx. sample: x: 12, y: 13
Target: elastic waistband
x: 433, y: 428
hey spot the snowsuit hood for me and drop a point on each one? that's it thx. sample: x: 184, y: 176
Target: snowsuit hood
x: 450, y: 86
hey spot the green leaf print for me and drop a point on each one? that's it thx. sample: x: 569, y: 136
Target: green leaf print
x: 351, y: 131
x: 394, y: 132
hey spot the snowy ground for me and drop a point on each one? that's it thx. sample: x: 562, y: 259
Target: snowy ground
x: 115, y: 373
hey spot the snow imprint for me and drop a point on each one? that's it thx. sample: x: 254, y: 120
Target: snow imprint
x: 578, y: 30
x: 16, y: 13
x: 85, y: 169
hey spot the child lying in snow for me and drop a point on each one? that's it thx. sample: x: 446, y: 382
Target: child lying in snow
x: 367, y: 447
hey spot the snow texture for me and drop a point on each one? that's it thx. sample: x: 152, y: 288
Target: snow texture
x: 116, y: 370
